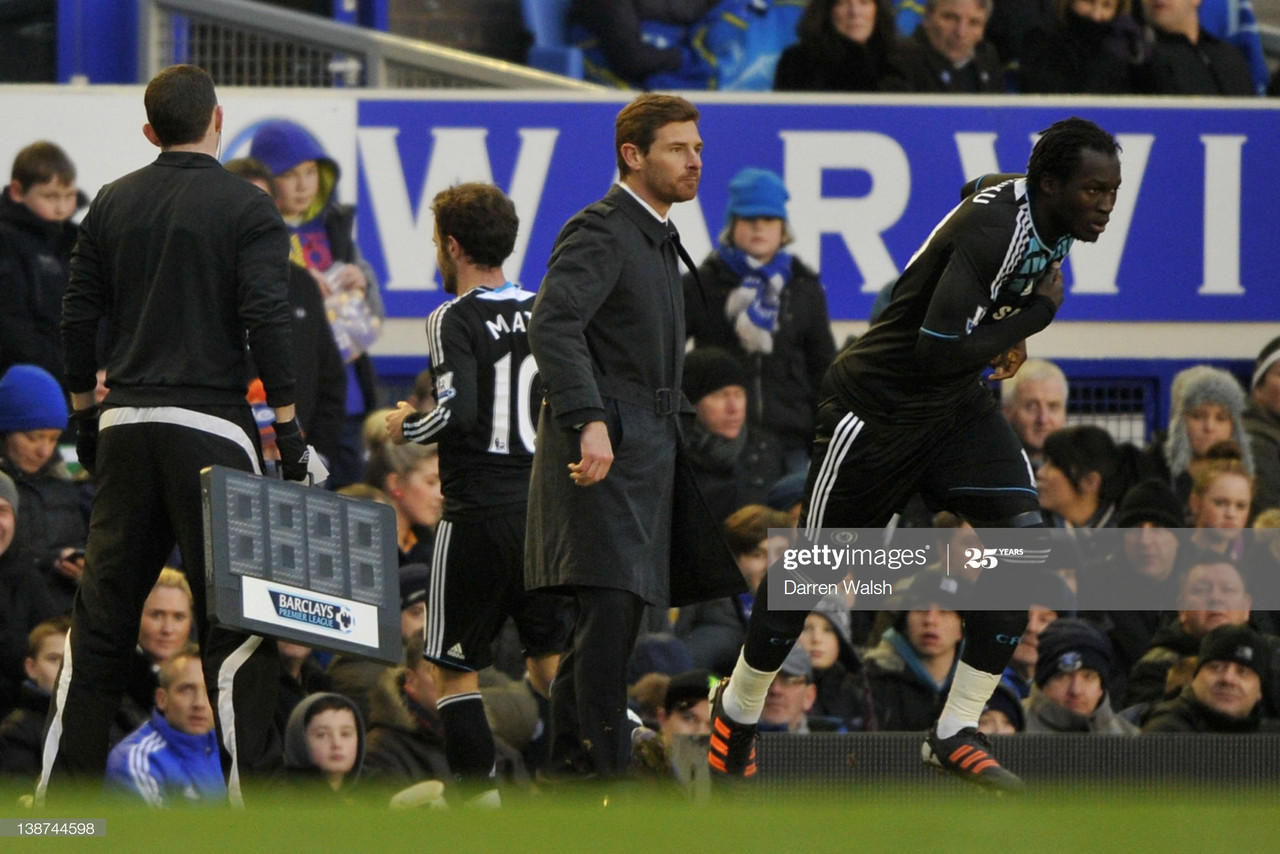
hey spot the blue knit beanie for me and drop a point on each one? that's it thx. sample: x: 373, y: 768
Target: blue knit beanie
x: 31, y: 399
x: 756, y: 192
x: 1069, y: 644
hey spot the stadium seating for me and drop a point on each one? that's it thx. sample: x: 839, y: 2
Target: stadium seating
x: 547, y: 21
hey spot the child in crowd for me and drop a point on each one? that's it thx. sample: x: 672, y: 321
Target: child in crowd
x: 324, y: 741
x: 36, y: 237
x: 323, y: 241
x: 21, y: 732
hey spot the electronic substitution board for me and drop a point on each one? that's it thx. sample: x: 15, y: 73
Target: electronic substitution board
x: 302, y: 564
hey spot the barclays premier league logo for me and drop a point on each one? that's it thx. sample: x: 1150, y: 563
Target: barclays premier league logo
x: 313, y: 612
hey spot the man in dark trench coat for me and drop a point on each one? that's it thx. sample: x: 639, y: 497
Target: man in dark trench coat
x: 608, y: 335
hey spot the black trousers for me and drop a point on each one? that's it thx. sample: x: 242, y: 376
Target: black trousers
x: 862, y: 473
x: 148, y: 499
x: 590, y: 735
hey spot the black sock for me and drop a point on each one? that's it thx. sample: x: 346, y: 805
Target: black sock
x: 990, y: 638
x: 770, y: 634
x: 468, y: 741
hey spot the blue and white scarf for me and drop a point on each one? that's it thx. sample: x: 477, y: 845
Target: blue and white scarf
x: 752, y: 307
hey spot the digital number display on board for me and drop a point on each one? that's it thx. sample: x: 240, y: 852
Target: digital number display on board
x: 302, y: 564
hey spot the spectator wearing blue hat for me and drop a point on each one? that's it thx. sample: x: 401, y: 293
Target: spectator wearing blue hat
x: 54, y: 525
x: 768, y: 309
x: 1072, y: 672
x: 322, y: 240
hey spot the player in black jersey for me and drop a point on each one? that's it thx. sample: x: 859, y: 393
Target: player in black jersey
x: 483, y: 422
x: 903, y: 411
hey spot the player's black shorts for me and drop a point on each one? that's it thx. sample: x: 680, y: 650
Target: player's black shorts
x: 971, y: 464
x: 477, y: 581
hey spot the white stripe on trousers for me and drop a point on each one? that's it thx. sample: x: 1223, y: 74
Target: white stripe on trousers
x: 841, y: 440
x: 227, y: 712
x: 54, y: 736
x: 113, y: 417
x: 211, y: 424
x: 435, y: 600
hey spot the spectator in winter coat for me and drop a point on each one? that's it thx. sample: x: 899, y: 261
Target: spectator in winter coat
x: 1262, y: 425
x: 322, y: 240
x: 734, y: 462
x: 173, y: 758
x: 24, y: 600
x: 1226, y: 693
x: 36, y: 236
x: 324, y: 743
x: 54, y: 525
x: 768, y: 309
x: 910, y: 671
x: 22, y: 731
x: 1072, y: 672
x: 947, y: 53
x: 843, y: 702
x: 844, y: 47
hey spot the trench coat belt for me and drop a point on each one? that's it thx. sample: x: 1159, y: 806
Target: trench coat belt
x: 663, y: 401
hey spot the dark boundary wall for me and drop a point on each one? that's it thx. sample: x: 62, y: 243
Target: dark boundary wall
x: 857, y: 760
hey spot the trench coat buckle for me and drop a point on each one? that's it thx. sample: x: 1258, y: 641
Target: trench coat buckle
x: 662, y: 403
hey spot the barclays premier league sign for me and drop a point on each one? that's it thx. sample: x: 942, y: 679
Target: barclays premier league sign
x: 302, y: 564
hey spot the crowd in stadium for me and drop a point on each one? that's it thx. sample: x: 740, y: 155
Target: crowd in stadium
x: 1153, y: 631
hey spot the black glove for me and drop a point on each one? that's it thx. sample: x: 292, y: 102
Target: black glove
x: 294, y: 452
x: 86, y: 421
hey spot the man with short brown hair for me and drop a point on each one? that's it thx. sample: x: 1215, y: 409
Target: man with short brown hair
x: 608, y: 334
x: 173, y: 757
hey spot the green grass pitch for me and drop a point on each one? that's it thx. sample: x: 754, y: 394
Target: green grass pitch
x: 1059, y: 819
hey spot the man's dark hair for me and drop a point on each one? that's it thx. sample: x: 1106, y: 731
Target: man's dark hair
x: 333, y: 702
x: 640, y: 121
x: 481, y: 218
x: 1080, y: 449
x: 40, y: 162
x: 1058, y: 151
x: 251, y: 169
x: 180, y: 101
